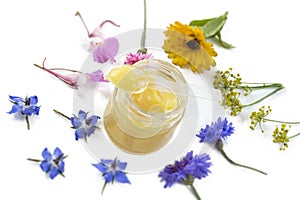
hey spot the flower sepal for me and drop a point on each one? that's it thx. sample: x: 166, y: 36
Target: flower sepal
x: 189, y: 180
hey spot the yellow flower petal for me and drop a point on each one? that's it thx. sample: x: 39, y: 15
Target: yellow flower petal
x: 186, y: 45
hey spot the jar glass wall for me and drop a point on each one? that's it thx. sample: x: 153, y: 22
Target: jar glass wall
x: 135, y: 125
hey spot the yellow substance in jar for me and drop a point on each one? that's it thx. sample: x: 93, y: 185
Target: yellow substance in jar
x: 155, y: 101
x: 150, y: 99
x: 118, y: 73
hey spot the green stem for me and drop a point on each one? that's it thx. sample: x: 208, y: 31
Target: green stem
x: 33, y: 160
x: 260, y: 86
x: 61, y: 114
x: 63, y: 69
x: 27, y: 122
x: 194, y: 191
x: 240, y: 165
x: 277, y: 121
x: 219, y: 146
x: 294, y: 136
x: 263, y: 98
x: 143, y: 50
x: 103, y: 188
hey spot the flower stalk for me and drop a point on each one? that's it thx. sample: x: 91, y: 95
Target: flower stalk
x: 143, y: 50
x: 61, y: 114
x: 278, y: 121
x: 70, y: 81
x: 219, y: 146
x: 103, y: 188
x: 194, y: 191
x: 27, y: 122
x: 231, y: 87
x: 34, y: 160
x: 293, y: 136
x: 277, y: 87
x: 279, y: 133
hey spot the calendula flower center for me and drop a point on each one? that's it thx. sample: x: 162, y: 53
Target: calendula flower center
x: 193, y: 44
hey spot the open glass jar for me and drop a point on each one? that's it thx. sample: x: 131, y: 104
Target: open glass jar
x: 144, y: 122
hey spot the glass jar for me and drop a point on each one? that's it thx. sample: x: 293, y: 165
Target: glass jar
x: 139, y: 131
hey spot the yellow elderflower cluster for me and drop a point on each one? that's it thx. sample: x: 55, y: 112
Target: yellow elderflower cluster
x: 280, y: 136
x: 258, y: 117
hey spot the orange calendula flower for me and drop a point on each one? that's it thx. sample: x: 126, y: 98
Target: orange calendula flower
x: 187, y: 47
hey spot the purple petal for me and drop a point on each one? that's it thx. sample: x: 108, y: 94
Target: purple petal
x: 97, y: 76
x: 99, y: 56
x: 14, y: 109
x: 62, y: 166
x: 15, y: 98
x: 90, y: 131
x: 79, y: 133
x: 57, y: 152
x: 121, y: 165
x: 82, y: 115
x: 75, y: 122
x: 45, y: 166
x: 46, y: 155
x: 101, y: 167
x: 108, y: 177
x: 53, y: 172
x: 107, y: 162
x: 33, y: 100
x: 31, y: 110
x: 121, y: 177
x: 92, y: 120
x: 107, y: 51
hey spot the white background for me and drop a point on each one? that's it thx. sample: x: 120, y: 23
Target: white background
x: 266, y: 36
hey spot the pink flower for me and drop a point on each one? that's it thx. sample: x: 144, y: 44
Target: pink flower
x: 106, y: 51
x: 132, y: 58
x: 97, y: 76
x: 72, y: 79
x: 104, y: 48
x: 69, y: 79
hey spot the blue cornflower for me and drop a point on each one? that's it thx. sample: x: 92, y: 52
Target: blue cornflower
x: 24, y: 107
x: 189, y: 166
x: 85, y: 126
x: 186, y: 170
x: 52, y: 164
x: 216, y: 131
x: 112, y: 170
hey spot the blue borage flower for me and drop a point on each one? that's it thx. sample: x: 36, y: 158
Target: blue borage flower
x: 112, y: 170
x: 215, y: 134
x: 186, y: 170
x: 53, y: 164
x: 85, y: 126
x: 24, y: 107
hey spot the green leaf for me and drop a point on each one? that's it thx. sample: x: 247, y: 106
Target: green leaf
x: 200, y: 22
x: 223, y: 43
x: 212, y: 27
